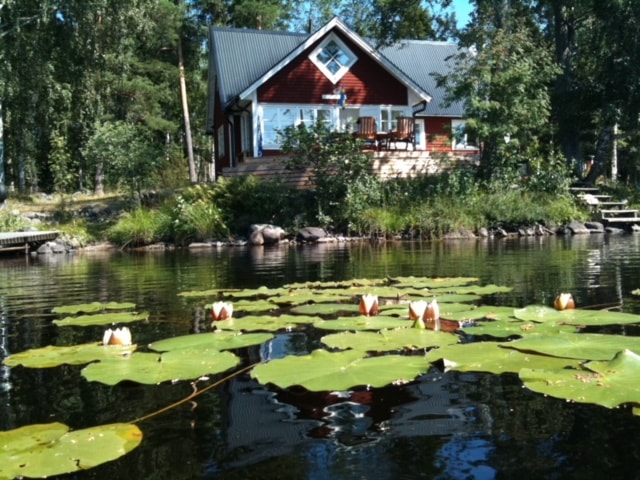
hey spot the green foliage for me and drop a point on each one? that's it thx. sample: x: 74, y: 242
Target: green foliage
x: 139, y: 227
x: 11, y: 221
x: 126, y: 155
x: 196, y: 220
x: 339, y: 171
x: 248, y: 200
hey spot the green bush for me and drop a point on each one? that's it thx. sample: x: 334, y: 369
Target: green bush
x: 197, y: 220
x: 12, y: 221
x: 139, y: 227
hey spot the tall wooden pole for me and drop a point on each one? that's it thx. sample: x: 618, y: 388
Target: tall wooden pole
x: 193, y: 177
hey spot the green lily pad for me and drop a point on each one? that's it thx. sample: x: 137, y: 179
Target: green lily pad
x: 101, y: 319
x: 326, y: 309
x: 265, y: 322
x: 207, y: 341
x: 479, y: 313
x: 92, y: 307
x: 52, y: 356
x: 362, y: 322
x: 151, y: 368
x: 491, y: 357
x: 44, y: 450
x: 539, y: 313
x: 431, y: 283
x: 506, y: 328
x: 248, y: 306
x: 609, y: 384
x: 389, y: 340
x: 325, y: 371
x: 585, y: 346
x: 477, y: 289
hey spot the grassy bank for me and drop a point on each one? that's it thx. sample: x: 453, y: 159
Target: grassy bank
x: 425, y: 207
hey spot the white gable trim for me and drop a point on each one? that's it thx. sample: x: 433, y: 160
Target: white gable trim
x: 335, y: 22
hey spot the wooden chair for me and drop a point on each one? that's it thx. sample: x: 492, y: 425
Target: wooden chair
x: 367, y: 130
x: 405, y: 132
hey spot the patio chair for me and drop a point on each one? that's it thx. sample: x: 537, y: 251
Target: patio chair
x: 367, y: 130
x: 404, y: 133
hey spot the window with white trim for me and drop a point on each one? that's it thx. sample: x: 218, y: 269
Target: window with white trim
x: 333, y: 58
x: 389, y: 118
x: 277, y: 118
x: 460, y: 140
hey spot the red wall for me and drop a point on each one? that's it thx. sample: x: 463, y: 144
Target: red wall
x: 302, y: 82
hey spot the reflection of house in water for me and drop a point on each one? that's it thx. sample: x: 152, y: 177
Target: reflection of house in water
x: 264, y: 425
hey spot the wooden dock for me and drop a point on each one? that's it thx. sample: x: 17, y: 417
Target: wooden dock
x: 25, y: 241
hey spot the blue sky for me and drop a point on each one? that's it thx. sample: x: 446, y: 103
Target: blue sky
x: 463, y: 9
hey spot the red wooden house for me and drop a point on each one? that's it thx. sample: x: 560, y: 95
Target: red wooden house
x: 261, y: 82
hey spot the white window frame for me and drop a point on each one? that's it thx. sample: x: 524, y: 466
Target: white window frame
x: 322, y: 66
x: 389, y: 117
x: 277, y: 117
x: 460, y: 140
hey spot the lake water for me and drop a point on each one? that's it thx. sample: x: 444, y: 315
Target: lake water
x: 442, y: 426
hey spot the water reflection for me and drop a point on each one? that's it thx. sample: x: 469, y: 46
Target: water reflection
x: 444, y: 425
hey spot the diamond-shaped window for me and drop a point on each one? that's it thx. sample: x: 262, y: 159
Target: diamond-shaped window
x: 333, y: 58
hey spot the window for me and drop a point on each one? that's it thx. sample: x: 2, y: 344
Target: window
x: 460, y: 139
x: 333, y: 58
x: 276, y: 119
x: 389, y: 118
x: 221, y: 143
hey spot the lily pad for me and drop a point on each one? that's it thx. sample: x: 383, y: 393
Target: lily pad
x: 326, y: 309
x: 92, y: 307
x: 151, y: 368
x: 585, y: 346
x: 479, y: 313
x: 491, y: 357
x: 265, y: 322
x: 476, y: 289
x: 389, y: 340
x: 249, y: 306
x: 102, y: 319
x: 53, y: 356
x: 44, y: 450
x: 431, y: 283
x: 218, y: 341
x: 325, y: 371
x: 506, y: 328
x: 609, y: 384
x: 539, y: 313
x: 361, y: 322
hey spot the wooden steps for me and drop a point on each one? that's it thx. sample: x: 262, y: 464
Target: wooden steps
x: 607, y: 210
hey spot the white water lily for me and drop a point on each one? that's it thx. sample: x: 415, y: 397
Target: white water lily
x: 369, y: 305
x: 119, y: 336
x: 564, y: 301
x: 417, y: 309
x: 221, y: 311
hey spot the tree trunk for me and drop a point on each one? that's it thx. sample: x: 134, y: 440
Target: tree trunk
x: 193, y: 178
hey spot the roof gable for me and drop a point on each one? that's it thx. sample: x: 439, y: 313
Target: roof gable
x: 246, y: 59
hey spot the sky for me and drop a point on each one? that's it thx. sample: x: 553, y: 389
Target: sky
x: 463, y: 9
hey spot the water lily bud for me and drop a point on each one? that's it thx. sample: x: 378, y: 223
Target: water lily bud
x: 119, y: 336
x: 564, y: 301
x: 417, y: 309
x: 432, y: 315
x: 221, y: 311
x: 369, y: 305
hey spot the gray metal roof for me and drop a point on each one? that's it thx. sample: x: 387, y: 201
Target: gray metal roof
x: 242, y: 56
x: 420, y: 59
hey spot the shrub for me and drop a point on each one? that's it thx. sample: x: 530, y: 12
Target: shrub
x: 196, y: 221
x: 139, y: 227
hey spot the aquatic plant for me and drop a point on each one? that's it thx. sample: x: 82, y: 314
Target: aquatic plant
x: 370, y: 342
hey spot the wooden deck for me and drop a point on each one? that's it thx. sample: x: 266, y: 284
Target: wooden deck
x: 25, y: 241
x: 386, y: 164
